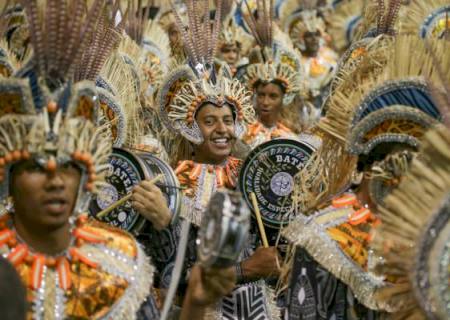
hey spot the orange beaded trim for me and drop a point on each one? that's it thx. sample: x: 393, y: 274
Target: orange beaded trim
x: 20, y: 253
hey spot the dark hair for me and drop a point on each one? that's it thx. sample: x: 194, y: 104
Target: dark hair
x: 380, y: 152
x: 277, y: 82
x: 13, y: 304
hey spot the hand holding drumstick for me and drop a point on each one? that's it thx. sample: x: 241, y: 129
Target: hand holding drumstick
x: 148, y: 200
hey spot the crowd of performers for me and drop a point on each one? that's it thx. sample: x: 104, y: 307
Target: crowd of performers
x: 249, y: 159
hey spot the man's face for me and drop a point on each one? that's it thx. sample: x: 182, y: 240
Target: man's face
x: 230, y: 54
x: 42, y: 199
x: 269, y: 102
x: 218, y: 130
x: 311, y: 40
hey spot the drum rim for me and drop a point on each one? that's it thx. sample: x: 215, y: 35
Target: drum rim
x: 129, y: 156
x: 252, y: 155
x: 142, y: 153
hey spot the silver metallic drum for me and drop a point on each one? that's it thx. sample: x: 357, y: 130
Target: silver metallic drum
x: 127, y: 170
x: 224, y: 229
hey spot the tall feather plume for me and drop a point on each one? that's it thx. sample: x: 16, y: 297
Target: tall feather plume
x: 51, y: 33
x: 135, y: 20
x: 74, y: 25
x: 261, y: 25
x: 386, y: 19
x: 61, y: 36
x: 60, y: 42
x: 106, y: 39
x: 36, y: 33
x: 216, y: 29
x: 93, y: 16
x: 380, y: 14
x: 199, y: 36
x: 391, y: 16
x: 187, y: 40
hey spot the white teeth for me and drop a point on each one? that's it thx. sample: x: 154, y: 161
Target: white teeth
x: 224, y: 140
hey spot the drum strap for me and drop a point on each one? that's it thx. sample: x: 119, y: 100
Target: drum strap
x: 176, y: 273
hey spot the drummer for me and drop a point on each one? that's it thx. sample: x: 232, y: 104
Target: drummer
x: 209, y: 120
x: 334, y: 259
x: 53, y: 158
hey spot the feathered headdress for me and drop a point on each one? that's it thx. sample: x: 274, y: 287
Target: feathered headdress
x: 344, y: 22
x: 301, y: 18
x: 277, y: 60
x: 428, y: 19
x: 232, y: 34
x: 190, y: 86
x: 414, y: 236
x: 393, y: 105
x: 379, y: 18
x: 49, y: 108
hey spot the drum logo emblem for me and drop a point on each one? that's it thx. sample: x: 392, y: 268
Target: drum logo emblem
x: 282, y: 184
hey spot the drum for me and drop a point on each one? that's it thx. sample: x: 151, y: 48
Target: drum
x: 269, y: 172
x: 224, y: 229
x: 126, y: 171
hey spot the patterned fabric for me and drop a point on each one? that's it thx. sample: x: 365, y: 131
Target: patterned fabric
x: 315, y: 294
x: 353, y: 236
x: 200, y: 181
x: 149, y: 310
x: 247, y: 301
x: 107, y: 276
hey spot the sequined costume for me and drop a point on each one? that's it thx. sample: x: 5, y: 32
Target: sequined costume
x: 384, y: 112
x: 199, y: 182
x: 104, y: 273
x: 51, y: 118
x: 305, y: 18
x: 185, y: 90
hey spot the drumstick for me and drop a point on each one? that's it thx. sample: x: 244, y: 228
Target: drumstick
x: 119, y: 202
x: 262, y: 231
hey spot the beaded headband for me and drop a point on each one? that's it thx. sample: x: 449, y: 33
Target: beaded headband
x: 428, y: 19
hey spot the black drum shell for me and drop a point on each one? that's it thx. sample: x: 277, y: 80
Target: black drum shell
x: 268, y: 168
x: 130, y: 168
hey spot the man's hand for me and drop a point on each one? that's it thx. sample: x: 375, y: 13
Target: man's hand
x: 264, y: 263
x: 149, y: 201
x: 207, y: 286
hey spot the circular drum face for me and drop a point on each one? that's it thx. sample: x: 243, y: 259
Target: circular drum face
x: 125, y: 172
x: 269, y: 172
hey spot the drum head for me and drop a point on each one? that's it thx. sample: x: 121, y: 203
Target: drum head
x: 169, y: 184
x: 269, y: 172
x: 125, y: 172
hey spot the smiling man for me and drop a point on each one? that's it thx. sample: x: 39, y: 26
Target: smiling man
x: 210, y: 112
x: 217, y: 127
